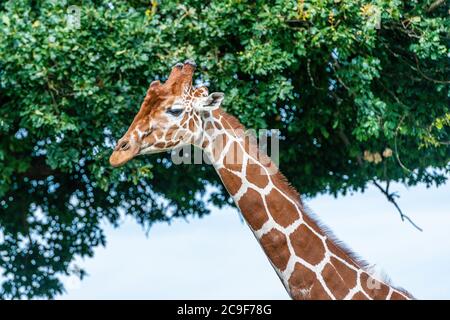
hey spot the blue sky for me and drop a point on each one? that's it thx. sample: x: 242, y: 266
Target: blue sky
x: 217, y: 257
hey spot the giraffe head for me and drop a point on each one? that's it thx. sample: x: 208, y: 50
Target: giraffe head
x: 170, y: 116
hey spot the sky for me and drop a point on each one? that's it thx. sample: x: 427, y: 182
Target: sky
x: 217, y: 257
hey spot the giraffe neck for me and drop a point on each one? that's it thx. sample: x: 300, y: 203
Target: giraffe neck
x: 310, y: 263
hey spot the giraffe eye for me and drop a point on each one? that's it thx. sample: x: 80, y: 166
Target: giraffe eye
x: 174, y: 112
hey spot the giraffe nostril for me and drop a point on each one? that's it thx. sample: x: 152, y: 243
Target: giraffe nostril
x: 124, y: 145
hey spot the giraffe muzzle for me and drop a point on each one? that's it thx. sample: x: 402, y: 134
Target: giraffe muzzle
x: 124, y: 151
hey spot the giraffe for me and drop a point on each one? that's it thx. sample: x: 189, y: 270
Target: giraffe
x: 310, y: 262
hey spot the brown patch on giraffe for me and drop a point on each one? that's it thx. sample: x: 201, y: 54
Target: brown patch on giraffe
x: 209, y: 126
x: 349, y: 275
x: 231, y: 181
x: 216, y: 113
x: 170, y: 132
x: 334, y: 282
x: 150, y: 139
x: 307, y: 245
x: 359, y: 296
x: 159, y: 134
x: 304, y: 285
x: 224, y: 124
x: 205, y: 143
x: 373, y: 288
x: 276, y: 248
x: 255, y: 174
x: 252, y: 207
x: 200, y: 92
x: 185, y: 118
x: 338, y: 278
x: 339, y: 252
x: 234, y: 157
x: 397, y: 296
x: 172, y: 144
x: 191, y: 124
x: 160, y: 145
x: 281, y: 210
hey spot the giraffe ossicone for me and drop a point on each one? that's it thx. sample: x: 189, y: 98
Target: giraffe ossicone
x: 310, y: 262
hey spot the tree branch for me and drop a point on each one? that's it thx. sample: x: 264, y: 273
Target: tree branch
x: 419, y: 70
x: 434, y: 5
x: 385, y: 191
x: 391, y: 198
x: 397, y: 156
x: 308, y: 68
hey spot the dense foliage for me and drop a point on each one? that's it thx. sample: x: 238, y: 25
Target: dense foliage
x: 358, y: 90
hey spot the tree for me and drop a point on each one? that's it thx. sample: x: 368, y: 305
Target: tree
x: 359, y: 92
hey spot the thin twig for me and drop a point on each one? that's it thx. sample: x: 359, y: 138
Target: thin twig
x: 425, y: 76
x: 391, y: 198
x: 391, y: 93
x: 397, y: 156
x: 415, y: 68
x: 346, y: 141
x: 308, y: 69
x: 339, y: 79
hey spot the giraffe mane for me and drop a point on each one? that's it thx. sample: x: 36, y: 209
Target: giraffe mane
x: 341, y: 245
x: 233, y: 121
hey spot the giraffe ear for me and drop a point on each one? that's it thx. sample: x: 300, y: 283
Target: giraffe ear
x: 211, y: 102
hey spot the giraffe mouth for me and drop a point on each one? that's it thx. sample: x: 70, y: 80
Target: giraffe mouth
x: 152, y: 150
x: 120, y: 157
